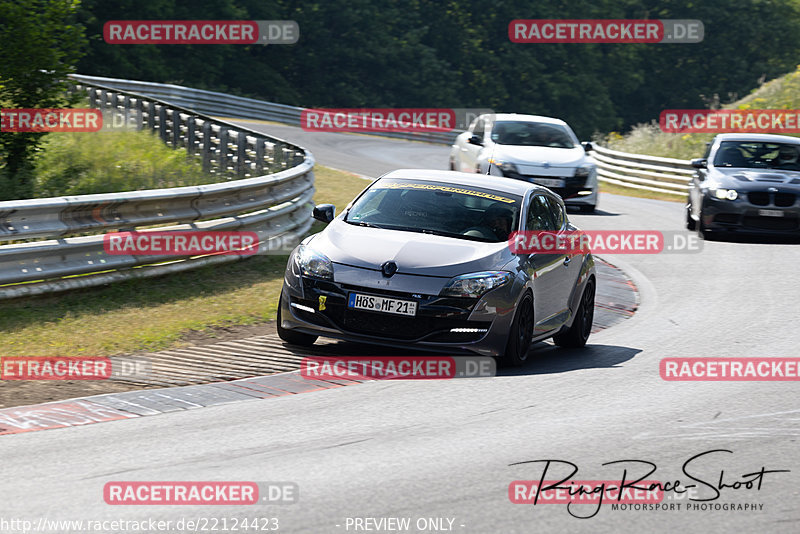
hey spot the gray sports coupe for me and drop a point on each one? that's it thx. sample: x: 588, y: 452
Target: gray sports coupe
x: 421, y: 259
x: 746, y: 183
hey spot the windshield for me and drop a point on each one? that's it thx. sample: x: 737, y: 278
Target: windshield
x: 437, y: 208
x: 758, y: 155
x: 531, y: 134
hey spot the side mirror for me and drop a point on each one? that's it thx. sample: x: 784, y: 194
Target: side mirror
x: 587, y: 146
x: 699, y: 163
x: 475, y: 140
x: 324, y: 212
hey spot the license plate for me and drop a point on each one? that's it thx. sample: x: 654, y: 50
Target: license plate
x: 771, y: 213
x: 549, y: 182
x: 378, y: 304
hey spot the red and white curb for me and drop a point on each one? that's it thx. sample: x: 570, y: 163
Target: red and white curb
x: 617, y: 299
x: 132, y: 404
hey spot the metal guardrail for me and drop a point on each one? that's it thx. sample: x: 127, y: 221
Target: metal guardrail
x: 638, y: 171
x: 224, y: 105
x: 271, y: 183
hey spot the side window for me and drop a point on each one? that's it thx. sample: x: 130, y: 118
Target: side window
x: 539, y: 215
x: 556, y: 213
x: 480, y: 127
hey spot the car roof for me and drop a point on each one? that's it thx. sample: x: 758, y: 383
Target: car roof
x: 773, y: 138
x: 516, y: 117
x: 495, y: 183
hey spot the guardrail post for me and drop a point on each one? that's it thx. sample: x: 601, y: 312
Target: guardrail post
x: 191, y: 123
x: 260, y: 156
x: 277, y: 156
x: 222, y: 155
x: 176, y: 128
x: 241, y: 154
x: 208, y: 146
x: 92, y: 97
x: 139, y: 114
x: 151, y: 115
x: 162, y: 122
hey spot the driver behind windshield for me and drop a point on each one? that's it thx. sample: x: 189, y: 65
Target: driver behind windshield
x: 787, y: 158
x: 495, y: 224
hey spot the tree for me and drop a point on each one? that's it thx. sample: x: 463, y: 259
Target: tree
x: 39, y: 45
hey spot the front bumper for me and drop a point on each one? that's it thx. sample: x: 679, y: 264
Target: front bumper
x: 443, y: 324
x: 746, y: 215
x: 577, y: 190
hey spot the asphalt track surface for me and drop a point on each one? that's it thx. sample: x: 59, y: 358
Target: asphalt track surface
x: 450, y: 449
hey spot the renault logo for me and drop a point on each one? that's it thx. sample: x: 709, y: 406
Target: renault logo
x: 389, y: 268
x: 546, y: 164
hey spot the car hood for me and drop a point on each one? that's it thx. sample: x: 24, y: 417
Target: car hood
x: 756, y: 179
x: 537, y: 155
x: 414, y: 253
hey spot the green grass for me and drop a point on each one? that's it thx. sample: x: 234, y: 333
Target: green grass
x: 606, y: 187
x: 153, y: 314
x: 109, y: 162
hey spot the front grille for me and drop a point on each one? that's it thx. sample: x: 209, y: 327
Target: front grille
x: 726, y: 218
x: 784, y: 200
x: 770, y: 223
x: 398, y: 327
x: 758, y: 198
x: 435, y: 315
x: 572, y: 184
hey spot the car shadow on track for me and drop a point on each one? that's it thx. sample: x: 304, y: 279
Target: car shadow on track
x: 732, y: 237
x: 545, y: 358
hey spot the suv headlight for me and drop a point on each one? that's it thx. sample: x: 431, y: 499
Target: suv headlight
x: 504, y: 165
x: 475, y: 284
x: 583, y: 172
x: 730, y: 194
x: 312, y: 263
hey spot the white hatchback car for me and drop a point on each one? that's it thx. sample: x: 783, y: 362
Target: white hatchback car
x: 541, y: 150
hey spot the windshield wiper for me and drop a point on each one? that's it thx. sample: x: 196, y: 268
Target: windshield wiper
x: 363, y: 223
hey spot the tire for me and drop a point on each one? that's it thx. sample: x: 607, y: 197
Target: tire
x: 290, y: 336
x: 691, y: 224
x: 587, y: 208
x: 577, y: 334
x: 520, y: 335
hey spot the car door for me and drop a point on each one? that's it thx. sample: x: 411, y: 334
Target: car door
x: 468, y: 160
x: 547, y: 271
x: 571, y: 262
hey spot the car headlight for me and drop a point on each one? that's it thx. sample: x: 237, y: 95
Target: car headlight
x: 583, y: 172
x: 312, y: 263
x: 504, y: 165
x: 730, y: 194
x: 475, y: 284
